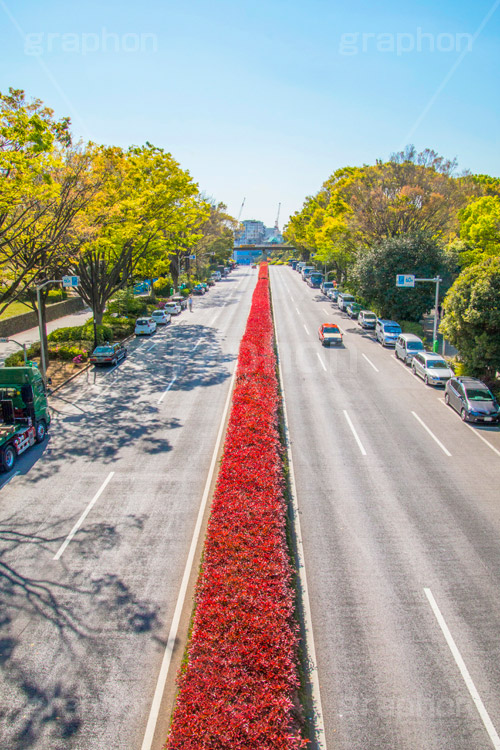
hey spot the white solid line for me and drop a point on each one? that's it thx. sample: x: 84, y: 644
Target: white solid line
x: 360, y: 444
x: 172, y: 636
x: 169, y: 386
x: 306, y: 328
x: 478, y: 434
x: 301, y: 565
x: 464, y: 671
x: 83, y: 516
x: 431, y: 434
x: 322, y: 363
x: 370, y: 362
x: 407, y: 369
x: 152, y: 346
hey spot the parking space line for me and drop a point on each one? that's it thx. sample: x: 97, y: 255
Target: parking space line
x: 488, y: 724
x: 322, y: 363
x: 306, y: 329
x: 370, y: 362
x: 360, y: 444
x: 83, y: 516
x: 431, y: 434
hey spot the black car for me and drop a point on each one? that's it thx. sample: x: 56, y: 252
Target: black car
x: 108, y: 354
x: 472, y: 399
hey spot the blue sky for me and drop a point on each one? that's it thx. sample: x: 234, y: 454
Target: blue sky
x: 264, y: 100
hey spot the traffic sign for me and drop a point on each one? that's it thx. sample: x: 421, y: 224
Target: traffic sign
x: 405, y: 279
x: 70, y: 281
x: 192, y: 257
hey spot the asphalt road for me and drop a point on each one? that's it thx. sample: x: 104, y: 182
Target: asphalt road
x: 84, y: 620
x: 401, y: 537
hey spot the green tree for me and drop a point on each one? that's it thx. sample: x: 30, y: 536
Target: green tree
x: 471, y: 319
x: 374, y: 275
x: 480, y: 230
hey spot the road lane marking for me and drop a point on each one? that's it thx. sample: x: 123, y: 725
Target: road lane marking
x: 360, y: 444
x: 476, y: 432
x: 310, y: 648
x: 291, y: 297
x: 322, y: 363
x: 83, y: 516
x: 306, y: 328
x: 169, y: 386
x: 172, y: 636
x: 431, y: 434
x: 407, y: 369
x: 194, y: 347
x: 152, y: 346
x: 488, y: 724
x: 370, y: 362
x: 297, y: 309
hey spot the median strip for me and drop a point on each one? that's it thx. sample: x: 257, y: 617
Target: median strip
x: 239, y: 686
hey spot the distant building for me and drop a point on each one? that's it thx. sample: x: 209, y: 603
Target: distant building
x: 256, y: 233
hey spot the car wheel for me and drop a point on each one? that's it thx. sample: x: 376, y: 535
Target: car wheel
x: 8, y: 457
x: 114, y: 362
x: 396, y: 353
x: 40, y: 430
x: 447, y: 399
x: 426, y: 380
x: 463, y: 415
x: 413, y: 370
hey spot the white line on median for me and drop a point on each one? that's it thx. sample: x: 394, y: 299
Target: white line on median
x: 369, y: 362
x: 83, y: 516
x: 488, y: 724
x: 306, y: 328
x: 172, y: 636
x: 431, y: 434
x: 169, y: 386
x: 360, y: 444
x: 322, y: 363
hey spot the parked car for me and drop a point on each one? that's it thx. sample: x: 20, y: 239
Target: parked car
x: 315, y: 279
x: 306, y: 271
x: 472, y: 399
x: 210, y: 281
x: 333, y: 295
x: 108, y: 354
x: 407, y: 345
x: 173, y: 308
x: 344, y: 299
x: 198, y: 290
x: 367, y: 319
x: 326, y: 285
x: 353, y: 310
x: 179, y: 300
x: 330, y: 333
x: 387, y: 331
x: 300, y: 265
x: 161, y: 317
x: 144, y: 326
x: 431, y: 367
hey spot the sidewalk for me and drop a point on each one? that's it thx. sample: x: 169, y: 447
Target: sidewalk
x: 428, y: 326
x: 30, y: 336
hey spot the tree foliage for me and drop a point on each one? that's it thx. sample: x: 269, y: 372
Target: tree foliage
x: 480, y: 230
x: 472, y: 317
x: 374, y: 275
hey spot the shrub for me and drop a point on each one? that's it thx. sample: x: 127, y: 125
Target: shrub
x: 125, y: 303
x: 14, y: 360
x: 409, y: 326
x: 163, y: 286
x: 73, y: 333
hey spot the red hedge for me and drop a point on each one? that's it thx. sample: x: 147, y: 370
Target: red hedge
x: 237, y: 691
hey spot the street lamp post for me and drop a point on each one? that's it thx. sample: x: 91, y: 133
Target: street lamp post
x: 6, y: 340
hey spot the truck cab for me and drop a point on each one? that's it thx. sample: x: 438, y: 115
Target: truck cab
x: 24, y: 412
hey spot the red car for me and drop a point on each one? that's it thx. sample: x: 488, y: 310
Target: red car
x: 329, y: 333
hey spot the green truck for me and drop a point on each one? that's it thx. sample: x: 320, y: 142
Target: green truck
x: 25, y: 413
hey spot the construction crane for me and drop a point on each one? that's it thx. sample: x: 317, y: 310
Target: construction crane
x: 241, y: 209
x: 276, y: 224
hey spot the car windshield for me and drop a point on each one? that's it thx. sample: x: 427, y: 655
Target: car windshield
x: 158, y: 313
x: 142, y: 322
x: 369, y: 316
x: 436, y: 364
x: 103, y: 350
x: 330, y: 329
x: 479, y: 394
x: 392, y: 329
x: 415, y: 345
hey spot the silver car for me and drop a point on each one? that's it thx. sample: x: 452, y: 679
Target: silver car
x: 432, y: 368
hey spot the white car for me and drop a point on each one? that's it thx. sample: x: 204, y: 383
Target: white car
x: 173, y: 308
x: 161, y: 317
x: 144, y: 326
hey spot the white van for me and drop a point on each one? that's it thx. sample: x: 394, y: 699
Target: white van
x: 407, y: 346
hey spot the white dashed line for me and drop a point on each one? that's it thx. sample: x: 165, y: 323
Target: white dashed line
x: 322, y: 363
x: 431, y: 434
x: 476, y: 432
x: 360, y: 444
x: 370, y: 362
x: 297, y: 309
x: 169, y: 386
x: 306, y: 329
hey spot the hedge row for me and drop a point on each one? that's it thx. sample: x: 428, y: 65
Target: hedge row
x: 239, y: 685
